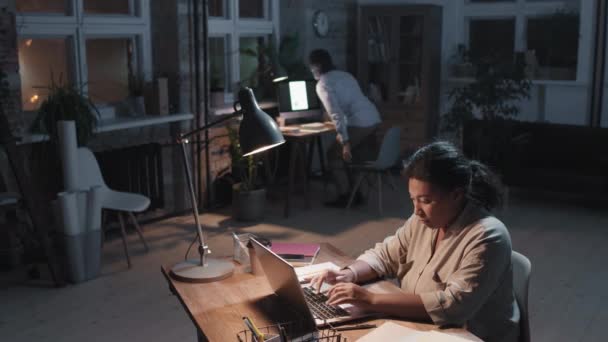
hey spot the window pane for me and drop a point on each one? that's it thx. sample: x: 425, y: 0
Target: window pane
x: 251, y: 8
x: 219, y: 73
x: 106, y: 7
x: 42, y: 6
x: 217, y: 8
x: 255, y: 68
x: 553, y: 46
x: 109, y: 64
x: 492, y: 39
x: 40, y: 62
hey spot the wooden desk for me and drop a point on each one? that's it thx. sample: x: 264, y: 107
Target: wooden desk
x: 298, y: 141
x: 217, y: 308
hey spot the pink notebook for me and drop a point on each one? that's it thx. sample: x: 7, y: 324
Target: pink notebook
x: 294, y: 248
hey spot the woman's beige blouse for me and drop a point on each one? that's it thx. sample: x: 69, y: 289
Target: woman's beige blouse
x: 467, y: 281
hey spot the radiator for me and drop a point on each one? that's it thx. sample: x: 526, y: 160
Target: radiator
x: 136, y: 169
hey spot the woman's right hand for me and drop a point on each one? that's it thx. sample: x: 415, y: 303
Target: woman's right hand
x: 332, y: 277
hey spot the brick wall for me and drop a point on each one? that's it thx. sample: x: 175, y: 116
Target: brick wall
x: 9, y: 63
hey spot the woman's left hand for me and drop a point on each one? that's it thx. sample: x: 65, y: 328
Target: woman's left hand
x: 349, y: 293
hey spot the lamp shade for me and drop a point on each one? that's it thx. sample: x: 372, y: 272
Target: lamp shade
x: 279, y: 74
x: 258, y: 131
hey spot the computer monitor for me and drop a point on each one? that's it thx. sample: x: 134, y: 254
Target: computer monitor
x: 298, y: 100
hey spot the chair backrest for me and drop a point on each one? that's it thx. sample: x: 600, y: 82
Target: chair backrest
x: 389, y: 150
x: 90, y: 174
x: 521, y: 281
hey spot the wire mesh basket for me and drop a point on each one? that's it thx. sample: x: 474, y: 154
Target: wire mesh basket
x: 291, y: 332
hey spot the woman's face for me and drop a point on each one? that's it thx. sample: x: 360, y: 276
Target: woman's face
x: 435, y: 208
x: 316, y: 71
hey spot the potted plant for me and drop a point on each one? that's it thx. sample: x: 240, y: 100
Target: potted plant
x: 66, y: 102
x: 491, y: 102
x: 248, y: 197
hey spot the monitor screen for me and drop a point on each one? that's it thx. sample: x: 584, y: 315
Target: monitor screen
x: 296, y: 96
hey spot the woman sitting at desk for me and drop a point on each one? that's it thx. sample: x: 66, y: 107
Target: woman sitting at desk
x: 452, y: 257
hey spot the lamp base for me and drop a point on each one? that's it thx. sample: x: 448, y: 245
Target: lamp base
x: 192, y: 272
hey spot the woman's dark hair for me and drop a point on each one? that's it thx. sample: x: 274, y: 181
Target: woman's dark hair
x: 442, y: 164
x: 322, y: 59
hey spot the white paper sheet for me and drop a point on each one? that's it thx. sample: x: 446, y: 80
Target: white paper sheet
x: 94, y: 200
x: 306, y: 272
x: 68, y: 148
x: 390, y: 331
x: 69, y: 212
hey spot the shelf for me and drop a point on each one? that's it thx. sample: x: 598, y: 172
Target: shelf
x: 134, y: 122
x: 119, y: 123
x: 229, y: 109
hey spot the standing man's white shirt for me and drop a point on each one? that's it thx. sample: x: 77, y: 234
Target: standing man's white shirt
x: 345, y: 103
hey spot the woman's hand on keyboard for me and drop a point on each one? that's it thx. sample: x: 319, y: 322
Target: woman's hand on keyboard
x: 349, y: 293
x: 332, y: 277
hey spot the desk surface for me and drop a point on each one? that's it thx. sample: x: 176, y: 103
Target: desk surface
x: 304, y: 133
x: 217, y: 308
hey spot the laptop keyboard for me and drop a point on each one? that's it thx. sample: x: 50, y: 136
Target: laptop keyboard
x: 316, y: 302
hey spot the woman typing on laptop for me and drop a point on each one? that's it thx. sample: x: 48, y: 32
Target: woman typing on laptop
x: 451, y: 257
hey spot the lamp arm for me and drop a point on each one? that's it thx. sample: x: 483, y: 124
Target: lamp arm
x: 184, y: 136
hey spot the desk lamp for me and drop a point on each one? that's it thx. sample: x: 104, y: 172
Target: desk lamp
x: 258, y: 132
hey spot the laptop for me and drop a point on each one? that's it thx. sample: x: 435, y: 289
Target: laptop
x: 302, y: 298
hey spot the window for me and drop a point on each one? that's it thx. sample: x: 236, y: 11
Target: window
x: 492, y: 39
x: 101, y: 48
x: 552, y: 45
x: 241, y: 32
x: 217, y: 8
x: 546, y: 32
x: 251, y: 9
x: 42, y: 62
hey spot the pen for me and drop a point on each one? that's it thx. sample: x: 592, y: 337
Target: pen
x: 291, y: 256
x: 254, y: 330
x: 356, y: 327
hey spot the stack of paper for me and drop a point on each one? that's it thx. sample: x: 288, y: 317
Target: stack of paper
x: 390, y: 331
x: 307, y: 272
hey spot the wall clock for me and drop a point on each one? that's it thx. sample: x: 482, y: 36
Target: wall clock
x: 320, y: 22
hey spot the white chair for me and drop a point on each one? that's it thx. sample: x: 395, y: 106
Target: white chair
x: 118, y: 201
x: 521, y: 282
x: 388, y: 155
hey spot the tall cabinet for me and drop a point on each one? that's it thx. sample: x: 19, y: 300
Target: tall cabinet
x: 398, y: 66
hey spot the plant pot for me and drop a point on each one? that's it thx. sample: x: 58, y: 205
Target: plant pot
x: 248, y: 205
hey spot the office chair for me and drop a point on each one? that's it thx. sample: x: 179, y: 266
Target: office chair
x: 521, y: 282
x: 388, y: 156
x: 118, y: 201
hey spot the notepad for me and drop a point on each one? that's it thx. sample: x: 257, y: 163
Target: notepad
x: 390, y: 331
x: 313, y: 126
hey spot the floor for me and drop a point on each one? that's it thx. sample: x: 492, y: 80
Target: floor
x: 565, y: 237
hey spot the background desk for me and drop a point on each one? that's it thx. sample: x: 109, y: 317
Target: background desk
x: 217, y: 308
x: 298, y: 151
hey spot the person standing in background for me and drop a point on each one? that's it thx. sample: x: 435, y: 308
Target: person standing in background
x: 355, y: 116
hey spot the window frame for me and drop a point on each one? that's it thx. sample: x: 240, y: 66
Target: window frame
x: 233, y: 28
x: 521, y: 10
x: 79, y: 26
